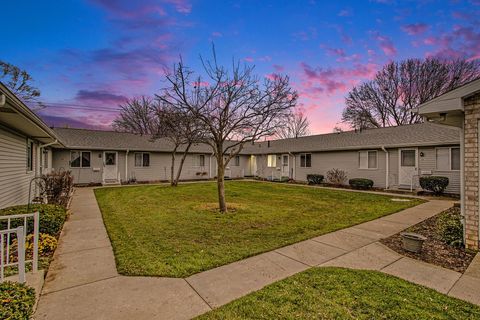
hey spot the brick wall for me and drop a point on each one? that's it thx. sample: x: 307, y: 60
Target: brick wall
x: 472, y: 116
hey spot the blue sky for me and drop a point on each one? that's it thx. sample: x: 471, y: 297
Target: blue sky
x: 88, y: 56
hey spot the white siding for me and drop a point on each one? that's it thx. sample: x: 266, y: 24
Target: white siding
x: 14, y: 177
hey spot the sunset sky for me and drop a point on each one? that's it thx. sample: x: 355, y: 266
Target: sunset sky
x: 89, y: 56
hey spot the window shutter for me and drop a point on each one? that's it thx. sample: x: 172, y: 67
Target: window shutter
x: 455, y: 161
x: 363, y: 160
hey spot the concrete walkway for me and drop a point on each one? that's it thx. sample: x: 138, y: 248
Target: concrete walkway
x: 82, y: 282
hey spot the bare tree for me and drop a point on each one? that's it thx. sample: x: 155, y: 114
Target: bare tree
x: 145, y: 116
x: 20, y: 82
x: 398, y: 88
x: 297, y: 125
x: 234, y: 106
x: 337, y: 129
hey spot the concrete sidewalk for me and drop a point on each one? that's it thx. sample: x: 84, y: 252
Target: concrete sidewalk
x: 82, y: 282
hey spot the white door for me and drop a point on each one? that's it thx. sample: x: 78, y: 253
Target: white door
x: 253, y: 165
x: 110, y: 168
x: 408, y: 166
x: 285, y: 165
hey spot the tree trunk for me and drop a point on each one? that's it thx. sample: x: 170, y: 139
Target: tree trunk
x: 221, y: 185
x: 182, y: 161
x: 173, y: 182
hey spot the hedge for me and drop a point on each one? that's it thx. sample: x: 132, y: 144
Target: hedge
x: 314, y: 178
x: 360, y: 183
x: 52, y: 218
x: 16, y: 301
x: 435, y: 184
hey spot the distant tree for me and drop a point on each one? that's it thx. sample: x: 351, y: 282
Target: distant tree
x: 19, y: 82
x: 297, y: 125
x: 234, y: 106
x: 337, y: 129
x: 398, y: 88
x: 145, y: 116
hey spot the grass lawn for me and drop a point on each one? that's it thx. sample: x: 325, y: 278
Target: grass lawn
x: 335, y: 293
x: 175, y: 232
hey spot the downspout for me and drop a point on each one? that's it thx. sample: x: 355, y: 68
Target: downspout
x: 387, y: 167
x: 126, y: 165
x: 462, y: 178
x: 210, y: 166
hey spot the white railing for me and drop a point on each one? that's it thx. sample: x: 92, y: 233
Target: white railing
x: 5, y: 247
x: 21, y: 233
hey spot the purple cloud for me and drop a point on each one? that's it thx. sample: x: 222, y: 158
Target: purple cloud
x: 102, y: 96
x: 415, y: 28
x: 386, y: 44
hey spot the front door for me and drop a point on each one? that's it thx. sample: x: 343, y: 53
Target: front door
x: 408, y: 166
x: 285, y: 166
x: 110, y: 165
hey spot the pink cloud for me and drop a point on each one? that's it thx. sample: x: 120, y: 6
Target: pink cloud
x: 386, y: 44
x: 415, y: 28
x: 345, y: 12
x: 216, y: 34
x: 278, y: 68
x: 248, y: 59
x: 182, y: 6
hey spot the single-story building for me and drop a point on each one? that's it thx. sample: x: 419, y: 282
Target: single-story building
x: 392, y: 157
x: 460, y: 108
x: 25, y: 148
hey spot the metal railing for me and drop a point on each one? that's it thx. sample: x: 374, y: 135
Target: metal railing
x: 21, y: 233
x: 5, y: 246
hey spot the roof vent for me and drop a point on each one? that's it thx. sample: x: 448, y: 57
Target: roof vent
x: 268, y: 143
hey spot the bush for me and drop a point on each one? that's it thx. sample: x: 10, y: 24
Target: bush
x: 336, y: 176
x: 314, y: 178
x: 52, y: 218
x: 46, y: 246
x: 450, y: 228
x: 435, y: 184
x: 360, y: 183
x: 58, y: 187
x: 16, y: 301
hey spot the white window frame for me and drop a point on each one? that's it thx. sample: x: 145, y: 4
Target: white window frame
x: 81, y: 154
x: 199, y: 163
x: 360, y: 162
x: 143, y: 154
x: 449, y: 159
x: 236, y: 161
x: 29, y: 165
x: 305, y: 165
x: 270, y: 163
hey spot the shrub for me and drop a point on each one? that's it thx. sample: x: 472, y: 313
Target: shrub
x: 314, y: 178
x: 450, y: 228
x: 52, y: 218
x: 46, y: 246
x: 360, y: 183
x: 336, y: 176
x: 16, y: 301
x: 58, y: 187
x: 435, y: 184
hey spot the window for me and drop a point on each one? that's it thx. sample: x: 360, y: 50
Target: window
x: 236, y: 163
x: 29, y: 155
x: 142, y: 159
x: 408, y: 158
x: 305, y: 160
x: 285, y: 160
x: 199, y: 160
x: 448, y: 159
x: 367, y: 159
x: 271, y: 161
x: 80, y: 159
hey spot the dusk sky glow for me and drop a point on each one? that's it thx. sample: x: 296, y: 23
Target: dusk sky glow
x: 88, y: 56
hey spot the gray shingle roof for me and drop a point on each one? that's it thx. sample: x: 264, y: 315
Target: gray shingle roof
x: 401, y: 136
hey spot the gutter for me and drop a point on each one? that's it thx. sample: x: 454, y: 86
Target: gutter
x: 126, y: 165
x: 387, y: 167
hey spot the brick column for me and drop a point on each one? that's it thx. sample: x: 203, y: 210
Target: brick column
x: 471, y: 132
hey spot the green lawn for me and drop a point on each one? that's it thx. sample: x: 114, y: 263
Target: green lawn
x: 334, y: 293
x: 165, y: 231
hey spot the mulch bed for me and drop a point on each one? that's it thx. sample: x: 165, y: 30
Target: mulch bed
x: 434, y: 250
